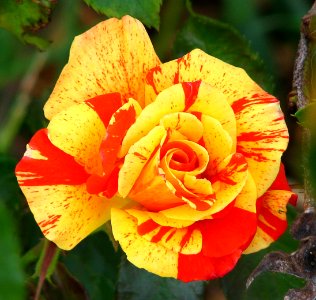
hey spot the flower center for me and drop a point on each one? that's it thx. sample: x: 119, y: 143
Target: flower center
x: 183, y: 158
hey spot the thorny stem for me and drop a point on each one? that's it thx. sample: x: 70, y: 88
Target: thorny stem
x: 299, y: 82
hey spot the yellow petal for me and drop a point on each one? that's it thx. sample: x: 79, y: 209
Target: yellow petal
x: 212, y: 102
x: 247, y: 198
x: 229, y: 181
x: 263, y: 140
x: 142, y: 253
x: 186, y: 212
x: 198, y: 185
x: 260, y: 241
x: 152, y: 182
x: 169, y: 101
x: 197, y: 65
x: 79, y: 131
x: 137, y: 157
x: 186, y: 123
x: 179, y: 239
x: 113, y: 56
x: 218, y: 142
x: 68, y: 213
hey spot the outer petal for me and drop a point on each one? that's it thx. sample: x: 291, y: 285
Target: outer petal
x: 53, y: 184
x: 272, y: 222
x: 113, y: 56
x: 263, y: 140
x: 67, y: 214
x: 79, y: 131
x: 261, y: 131
x: 197, y: 65
x: 151, y: 242
x: 141, y: 252
x: 45, y: 164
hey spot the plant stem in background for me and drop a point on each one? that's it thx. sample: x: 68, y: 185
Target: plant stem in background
x: 11, y: 125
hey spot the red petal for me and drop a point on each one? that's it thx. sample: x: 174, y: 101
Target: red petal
x: 54, y: 167
x: 200, y: 267
x: 114, y: 135
x: 105, y: 106
x: 223, y: 236
x: 281, y: 183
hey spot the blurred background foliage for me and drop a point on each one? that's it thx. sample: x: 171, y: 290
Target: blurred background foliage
x: 259, y: 35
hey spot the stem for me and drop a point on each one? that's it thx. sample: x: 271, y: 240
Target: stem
x: 303, y: 89
x: 47, y: 265
x: 18, y: 110
x: 171, y: 14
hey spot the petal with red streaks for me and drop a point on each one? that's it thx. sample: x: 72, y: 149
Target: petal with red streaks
x: 67, y: 214
x: 113, y: 56
x: 79, y: 131
x: 271, y: 210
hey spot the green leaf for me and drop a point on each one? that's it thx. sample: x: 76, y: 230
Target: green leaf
x: 23, y: 18
x: 11, y: 275
x: 221, y: 41
x: 95, y: 264
x: 150, y: 286
x: 146, y: 11
x: 306, y: 115
x: 268, y: 285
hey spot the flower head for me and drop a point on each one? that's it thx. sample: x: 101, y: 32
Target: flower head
x: 181, y: 156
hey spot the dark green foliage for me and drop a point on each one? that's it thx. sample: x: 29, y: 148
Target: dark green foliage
x: 94, y: 263
x: 224, y: 42
x: 11, y: 273
x: 22, y: 18
x: 146, y: 11
x: 138, y: 284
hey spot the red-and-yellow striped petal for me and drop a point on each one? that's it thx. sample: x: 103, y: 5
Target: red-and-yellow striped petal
x: 167, y: 248
x: 54, y: 186
x: 271, y: 213
x: 113, y: 56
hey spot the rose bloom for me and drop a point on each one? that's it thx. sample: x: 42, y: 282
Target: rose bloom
x: 181, y: 156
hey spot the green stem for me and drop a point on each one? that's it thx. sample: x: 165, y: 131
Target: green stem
x: 46, y: 265
x: 171, y: 14
x: 15, y: 117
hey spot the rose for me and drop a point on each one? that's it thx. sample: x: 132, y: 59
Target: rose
x: 180, y: 156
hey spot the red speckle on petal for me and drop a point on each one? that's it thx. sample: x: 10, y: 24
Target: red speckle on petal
x: 150, y: 77
x: 191, y: 90
x: 237, y: 163
x: 243, y: 103
x: 158, y: 236
x: 147, y: 227
x: 260, y: 136
x: 186, y: 237
x: 51, y: 220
